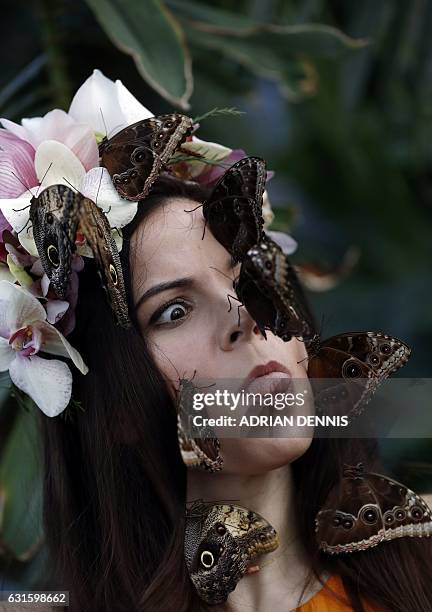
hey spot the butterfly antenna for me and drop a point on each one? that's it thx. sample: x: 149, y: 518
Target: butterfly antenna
x: 26, y: 223
x: 23, y: 184
x: 43, y: 178
x: 70, y: 184
x: 223, y: 273
x: 193, y: 209
x: 99, y: 186
x: 103, y: 121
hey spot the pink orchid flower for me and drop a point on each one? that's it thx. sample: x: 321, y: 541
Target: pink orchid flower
x: 24, y: 332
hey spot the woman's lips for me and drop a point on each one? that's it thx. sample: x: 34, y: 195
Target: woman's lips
x: 271, y: 377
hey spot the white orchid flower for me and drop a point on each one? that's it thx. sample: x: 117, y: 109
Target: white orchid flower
x: 55, y: 164
x: 24, y: 331
x: 106, y: 106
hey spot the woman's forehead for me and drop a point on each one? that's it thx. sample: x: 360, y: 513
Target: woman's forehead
x: 171, y: 239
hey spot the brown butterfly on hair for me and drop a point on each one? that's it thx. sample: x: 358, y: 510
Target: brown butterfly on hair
x: 365, y: 509
x: 267, y: 284
x: 346, y: 370
x: 58, y: 214
x: 221, y: 542
x: 136, y: 155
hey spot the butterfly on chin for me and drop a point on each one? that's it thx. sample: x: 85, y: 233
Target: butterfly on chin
x: 57, y: 215
x: 366, y: 508
x: 346, y: 370
x: 135, y: 156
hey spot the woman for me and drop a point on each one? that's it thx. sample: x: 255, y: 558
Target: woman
x: 116, y: 488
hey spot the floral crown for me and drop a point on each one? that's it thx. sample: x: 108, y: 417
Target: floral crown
x: 54, y: 166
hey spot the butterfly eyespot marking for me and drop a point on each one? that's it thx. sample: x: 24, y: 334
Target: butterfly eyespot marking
x: 351, y: 369
x: 336, y: 521
x: 49, y: 217
x: 125, y: 180
x: 133, y: 174
x: 207, y: 559
x: 160, y: 135
x: 221, y: 549
x: 113, y: 274
x: 220, y: 528
x: 169, y: 124
x: 417, y: 513
x: 400, y: 515
x: 389, y: 519
x: 262, y: 537
x: 117, y: 180
x: 140, y: 156
x: 385, y: 349
x: 347, y: 524
x: 374, y: 359
x: 53, y: 255
x: 369, y: 515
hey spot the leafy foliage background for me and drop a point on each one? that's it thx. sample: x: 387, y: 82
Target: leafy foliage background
x: 337, y: 97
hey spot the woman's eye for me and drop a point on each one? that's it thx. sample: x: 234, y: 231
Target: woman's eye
x: 170, y: 313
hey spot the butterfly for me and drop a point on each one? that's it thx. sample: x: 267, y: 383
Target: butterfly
x: 365, y: 509
x: 135, y: 156
x: 54, y: 215
x: 268, y: 287
x: 346, y: 370
x: 57, y: 215
x: 202, y: 452
x: 221, y: 541
x: 233, y: 210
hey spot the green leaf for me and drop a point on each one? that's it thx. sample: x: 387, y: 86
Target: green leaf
x: 21, y: 489
x: 311, y: 39
x: 152, y: 36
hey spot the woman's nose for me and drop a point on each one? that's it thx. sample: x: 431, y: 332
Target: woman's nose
x: 239, y: 327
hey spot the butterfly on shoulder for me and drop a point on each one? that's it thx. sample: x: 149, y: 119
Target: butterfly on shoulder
x: 221, y: 542
x: 366, y: 508
x: 202, y: 452
x: 57, y: 215
x: 346, y: 370
x: 136, y: 155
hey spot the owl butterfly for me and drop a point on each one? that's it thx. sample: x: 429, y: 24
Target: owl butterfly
x: 202, y: 452
x: 221, y: 542
x: 366, y: 509
x: 269, y: 289
x: 346, y: 370
x: 135, y: 156
x: 233, y: 210
x: 57, y: 214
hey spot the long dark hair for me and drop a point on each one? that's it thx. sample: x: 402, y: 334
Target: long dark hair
x: 115, y: 484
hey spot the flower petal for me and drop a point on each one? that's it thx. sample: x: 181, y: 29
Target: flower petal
x: 285, y: 241
x: 97, y: 186
x: 16, y: 211
x: 212, y: 151
x: 47, y: 381
x: 56, y: 344
x: 133, y: 110
x: 18, y: 130
x: 18, y: 308
x: 5, y: 273
x: 16, y: 165
x: 56, y: 164
x: 7, y: 354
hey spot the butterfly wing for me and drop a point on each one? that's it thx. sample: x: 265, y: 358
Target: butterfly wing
x: 367, y: 509
x: 359, y: 362
x: 54, y: 217
x: 135, y: 156
x: 233, y: 211
x: 221, y: 540
x: 195, y: 452
x: 95, y: 226
x: 270, y: 291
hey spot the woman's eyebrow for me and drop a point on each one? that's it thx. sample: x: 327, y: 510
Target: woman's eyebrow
x: 186, y: 281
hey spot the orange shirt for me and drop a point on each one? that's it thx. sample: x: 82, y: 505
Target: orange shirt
x: 326, y: 601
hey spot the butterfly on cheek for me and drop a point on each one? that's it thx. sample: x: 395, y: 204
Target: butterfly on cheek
x: 346, y: 370
x: 221, y: 542
x: 366, y: 508
x: 135, y: 156
x: 57, y: 215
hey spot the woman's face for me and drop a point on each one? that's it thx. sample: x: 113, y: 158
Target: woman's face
x: 180, y: 282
